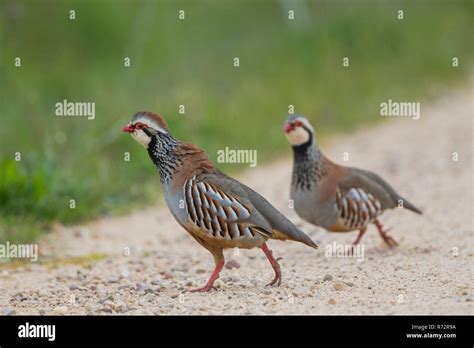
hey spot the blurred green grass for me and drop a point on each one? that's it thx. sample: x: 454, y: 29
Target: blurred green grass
x: 190, y: 62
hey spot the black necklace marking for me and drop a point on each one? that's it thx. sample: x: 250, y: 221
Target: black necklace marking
x: 147, y: 132
x: 307, y: 166
x: 161, y: 153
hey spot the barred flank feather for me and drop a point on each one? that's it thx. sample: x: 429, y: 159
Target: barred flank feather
x: 356, y: 208
x: 217, y: 212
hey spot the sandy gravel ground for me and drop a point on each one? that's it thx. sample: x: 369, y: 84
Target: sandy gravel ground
x: 431, y: 272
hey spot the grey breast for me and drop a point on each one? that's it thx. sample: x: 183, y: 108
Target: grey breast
x: 310, y: 206
x: 175, y: 202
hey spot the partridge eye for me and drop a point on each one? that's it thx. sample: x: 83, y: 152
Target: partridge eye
x: 298, y: 123
x: 139, y: 126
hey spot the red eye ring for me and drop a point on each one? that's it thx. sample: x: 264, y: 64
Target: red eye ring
x: 139, y: 125
x: 298, y: 123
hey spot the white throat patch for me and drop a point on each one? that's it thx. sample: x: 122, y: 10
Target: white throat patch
x: 141, y: 137
x: 298, y: 136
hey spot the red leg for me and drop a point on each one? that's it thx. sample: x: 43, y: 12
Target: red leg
x: 357, y: 240
x: 359, y: 236
x: 212, y: 278
x: 275, y: 265
x: 386, y: 238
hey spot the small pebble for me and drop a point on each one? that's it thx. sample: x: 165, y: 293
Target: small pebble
x: 332, y: 301
x: 106, y: 310
x: 339, y: 286
x: 142, y: 287
x: 60, y: 310
x: 106, y: 298
x: 110, y: 304
x: 232, y: 264
x: 8, y: 311
x: 166, y: 275
x: 327, y: 277
x: 42, y: 292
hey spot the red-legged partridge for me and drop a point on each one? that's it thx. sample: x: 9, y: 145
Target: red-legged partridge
x: 337, y: 198
x: 218, y: 211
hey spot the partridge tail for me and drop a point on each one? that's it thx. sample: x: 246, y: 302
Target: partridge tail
x: 409, y: 206
x: 293, y: 233
x: 308, y: 241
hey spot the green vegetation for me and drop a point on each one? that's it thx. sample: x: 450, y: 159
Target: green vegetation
x: 190, y: 62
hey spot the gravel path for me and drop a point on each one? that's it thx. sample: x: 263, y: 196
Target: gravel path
x: 429, y: 273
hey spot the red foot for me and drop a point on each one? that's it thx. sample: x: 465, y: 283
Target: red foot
x: 356, y: 241
x: 386, y: 238
x: 212, y: 279
x: 275, y: 265
x: 359, y: 237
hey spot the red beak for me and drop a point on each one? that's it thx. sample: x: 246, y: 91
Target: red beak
x: 128, y: 128
x: 288, y: 127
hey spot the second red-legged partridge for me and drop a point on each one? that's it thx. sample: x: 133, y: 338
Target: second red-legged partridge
x: 335, y: 197
x: 218, y: 211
